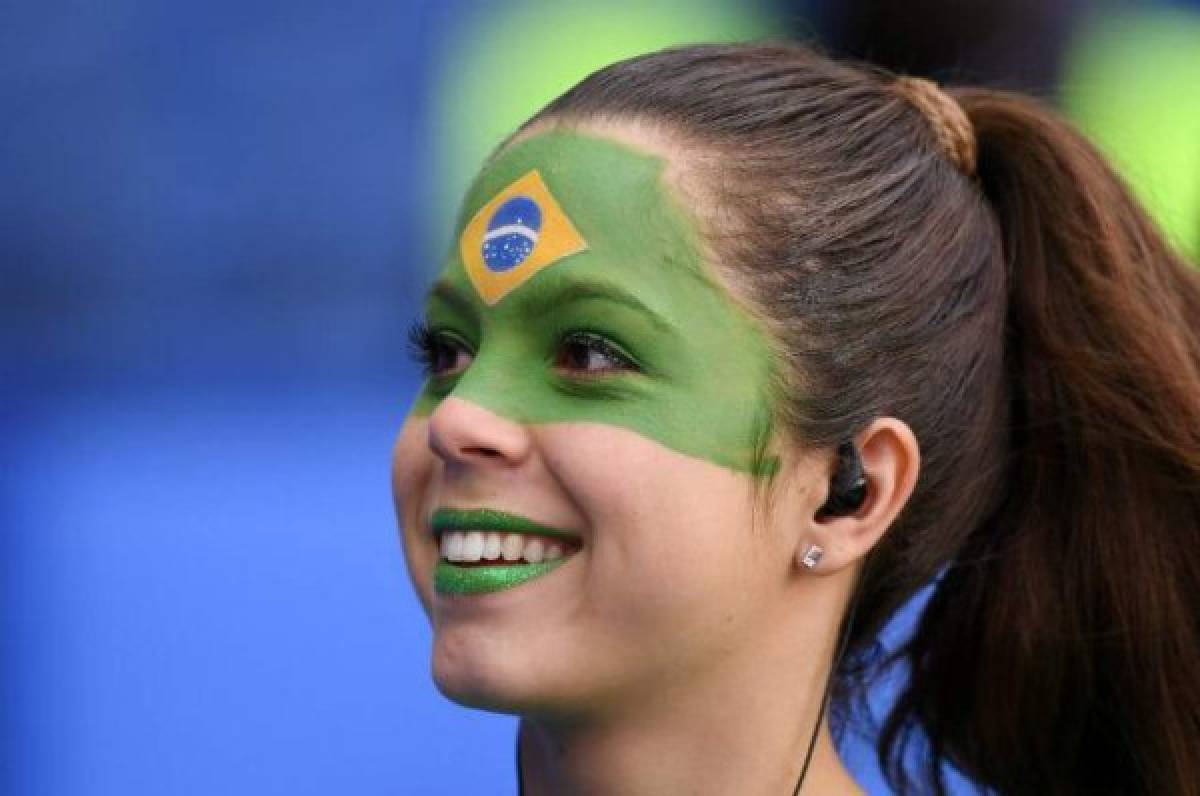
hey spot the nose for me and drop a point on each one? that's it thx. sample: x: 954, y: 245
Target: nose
x: 466, y: 433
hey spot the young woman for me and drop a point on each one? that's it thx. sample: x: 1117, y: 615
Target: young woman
x: 737, y: 348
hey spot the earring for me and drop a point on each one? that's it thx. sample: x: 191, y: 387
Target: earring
x: 812, y: 556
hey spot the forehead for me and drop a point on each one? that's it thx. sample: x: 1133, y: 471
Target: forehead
x: 598, y: 173
x: 596, y: 207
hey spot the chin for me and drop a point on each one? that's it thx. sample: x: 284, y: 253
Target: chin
x: 476, y: 695
x: 476, y: 673
x: 485, y: 674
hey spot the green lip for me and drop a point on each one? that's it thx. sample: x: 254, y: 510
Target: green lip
x: 449, y: 579
x: 491, y: 520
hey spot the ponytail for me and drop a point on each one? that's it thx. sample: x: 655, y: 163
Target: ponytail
x: 1060, y: 651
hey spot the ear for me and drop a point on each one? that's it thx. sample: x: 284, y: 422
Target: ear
x: 891, y: 459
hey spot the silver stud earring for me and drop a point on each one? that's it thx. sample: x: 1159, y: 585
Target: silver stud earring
x: 812, y: 556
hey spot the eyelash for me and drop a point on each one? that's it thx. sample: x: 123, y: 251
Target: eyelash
x: 427, y: 346
x: 618, y: 360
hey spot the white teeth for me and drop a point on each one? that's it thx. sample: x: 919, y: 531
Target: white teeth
x: 534, y: 550
x: 472, y: 547
x: 513, y: 544
x: 469, y: 546
x: 491, y: 546
x: 454, y: 546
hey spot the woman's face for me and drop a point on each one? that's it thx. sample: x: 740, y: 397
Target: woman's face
x: 577, y: 479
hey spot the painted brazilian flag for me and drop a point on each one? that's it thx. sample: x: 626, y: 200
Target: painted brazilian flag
x: 519, y: 232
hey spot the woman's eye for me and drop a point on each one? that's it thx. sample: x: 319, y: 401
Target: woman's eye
x: 438, y: 352
x: 582, y: 352
x: 448, y: 357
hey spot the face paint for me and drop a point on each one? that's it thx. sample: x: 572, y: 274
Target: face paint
x: 520, y: 232
x: 703, y: 366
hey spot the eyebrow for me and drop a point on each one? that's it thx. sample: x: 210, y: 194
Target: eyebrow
x: 585, y: 289
x: 545, y: 302
x: 450, y: 295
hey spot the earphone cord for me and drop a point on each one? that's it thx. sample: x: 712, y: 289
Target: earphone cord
x: 520, y: 771
x: 812, y: 743
x: 837, y: 661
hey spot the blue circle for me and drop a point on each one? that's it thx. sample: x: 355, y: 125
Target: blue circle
x: 512, y: 232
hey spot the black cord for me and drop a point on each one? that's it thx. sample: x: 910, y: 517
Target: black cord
x: 520, y: 771
x: 837, y: 661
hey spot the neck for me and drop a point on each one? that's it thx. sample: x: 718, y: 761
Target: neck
x: 550, y: 765
x: 740, y: 731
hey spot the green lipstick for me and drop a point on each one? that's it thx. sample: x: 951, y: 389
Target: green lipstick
x: 450, y: 578
x: 491, y: 520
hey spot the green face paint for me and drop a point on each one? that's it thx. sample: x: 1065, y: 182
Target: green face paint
x: 637, y: 281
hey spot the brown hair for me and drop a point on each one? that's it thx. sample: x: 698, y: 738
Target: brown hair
x: 1039, y: 337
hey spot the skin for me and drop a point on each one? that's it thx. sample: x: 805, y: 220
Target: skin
x: 680, y: 650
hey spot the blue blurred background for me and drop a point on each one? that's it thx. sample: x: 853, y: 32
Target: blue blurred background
x: 216, y: 222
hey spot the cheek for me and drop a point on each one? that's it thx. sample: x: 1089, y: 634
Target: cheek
x: 413, y: 466
x: 673, y: 537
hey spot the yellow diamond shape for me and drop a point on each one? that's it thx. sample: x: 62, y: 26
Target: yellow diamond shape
x: 555, y: 239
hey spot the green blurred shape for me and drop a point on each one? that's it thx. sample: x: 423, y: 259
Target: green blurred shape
x: 1133, y: 85
x: 509, y: 59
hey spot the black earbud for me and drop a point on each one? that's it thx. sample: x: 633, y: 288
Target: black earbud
x: 848, y: 487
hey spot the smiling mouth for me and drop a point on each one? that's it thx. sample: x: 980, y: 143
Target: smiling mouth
x: 479, y: 548
x: 486, y: 537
